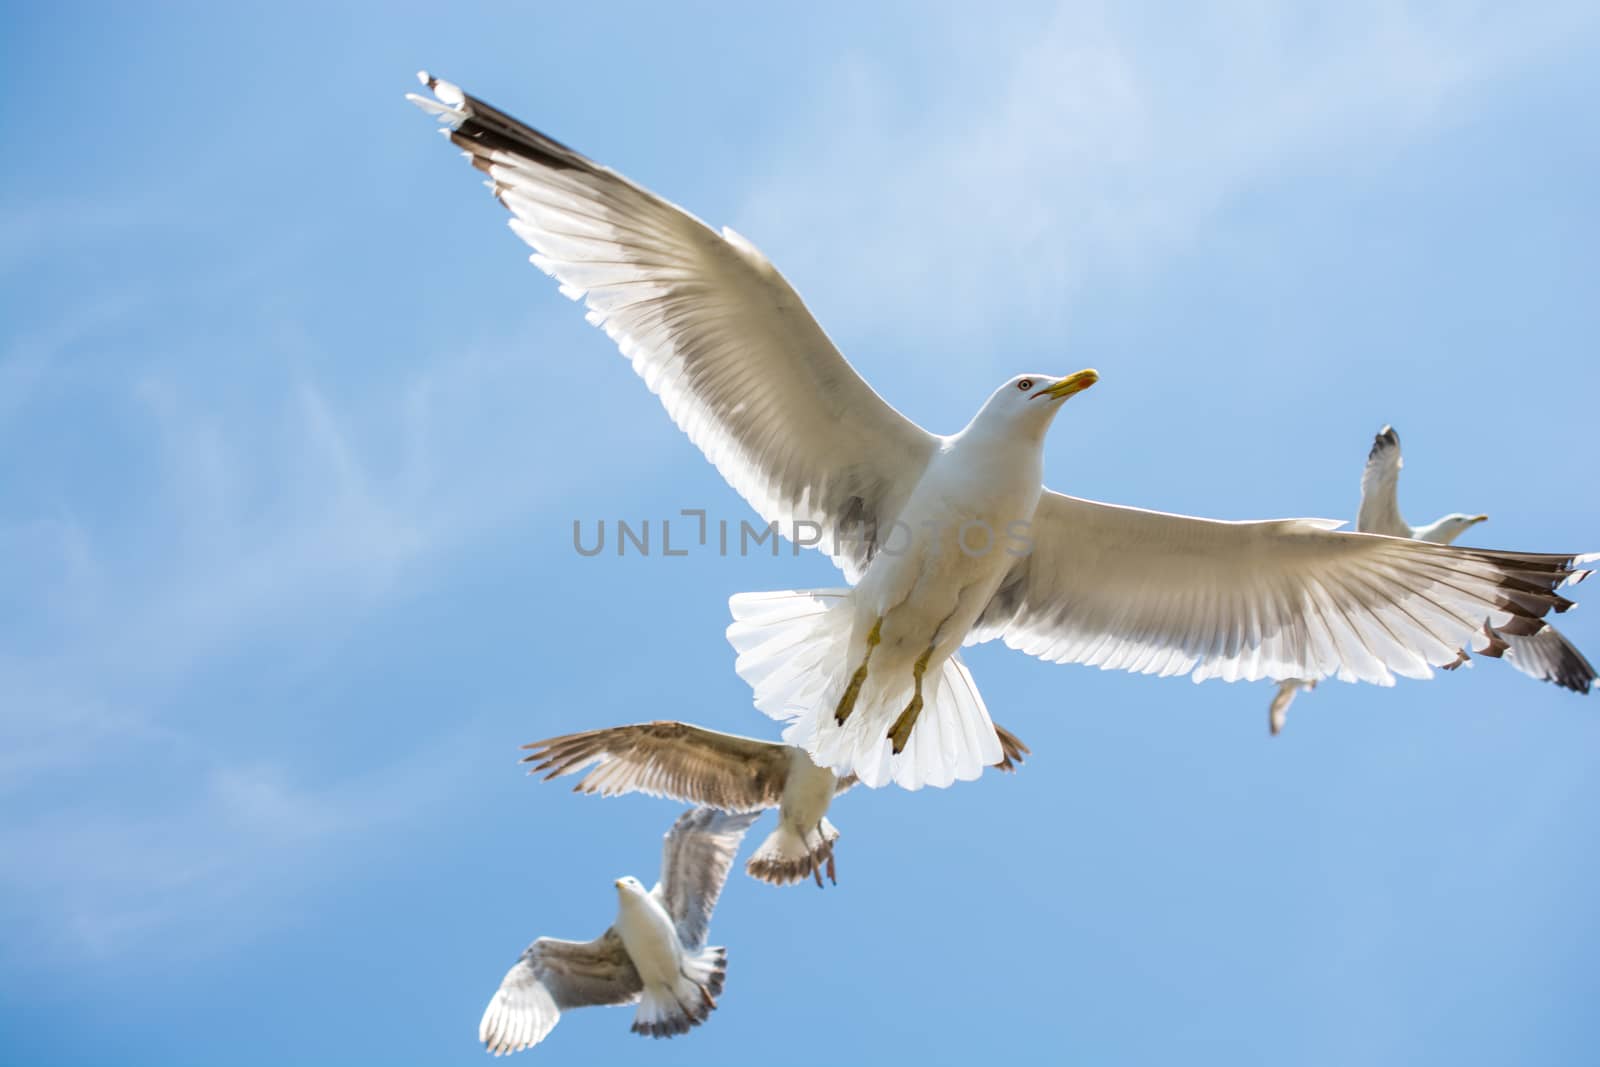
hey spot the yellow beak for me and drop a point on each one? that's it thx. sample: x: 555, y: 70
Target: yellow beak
x: 1070, y: 385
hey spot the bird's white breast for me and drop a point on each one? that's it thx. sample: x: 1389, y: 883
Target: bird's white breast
x: 650, y: 937
x: 807, y: 792
x: 964, y: 526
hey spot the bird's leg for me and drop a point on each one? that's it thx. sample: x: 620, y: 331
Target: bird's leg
x: 812, y: 867
x: 826, y: 848
x: 847, y: 702
x: 900, y: 732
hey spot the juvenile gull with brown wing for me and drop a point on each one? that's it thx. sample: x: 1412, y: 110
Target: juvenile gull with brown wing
x: 700, y: 766
x: 654, y: 954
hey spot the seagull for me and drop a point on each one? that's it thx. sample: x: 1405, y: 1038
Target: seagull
x: 738, y: 774
x: 654, y: 954
x: 952, y: 540
x: 1546, y: 654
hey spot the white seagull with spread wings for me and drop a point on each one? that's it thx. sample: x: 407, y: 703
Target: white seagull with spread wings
x: 654, y: 953
x: 951, y: 540
x: 1546, y: 654
x: 700, y: 766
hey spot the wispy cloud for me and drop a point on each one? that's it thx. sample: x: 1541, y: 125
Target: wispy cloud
x: 1105, y: 143
x: 255, y: 524
x: 211, y: 869
x: 261, y: 511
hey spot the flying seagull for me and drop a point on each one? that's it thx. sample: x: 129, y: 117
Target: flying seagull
x: 1546, y: 655
x: 739, y: 774
x: 951, y: 540
x: 654, y: 954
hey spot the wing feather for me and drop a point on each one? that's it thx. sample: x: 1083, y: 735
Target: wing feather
x: 712, y: 328
x: 696, y: 856
x: 1550, y: 657
x: 1126, y: 589
x: 669, y: 759
x: 550, y: 977
x: 1380, y: 482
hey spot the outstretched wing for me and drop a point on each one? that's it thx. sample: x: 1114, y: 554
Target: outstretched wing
x: 696, y: 856
x: 550, y: 977
x: 1380, y: 481
x: 1550, y: 657
x: 1125, y: 589
x: 669, y: 759
x: 712, y: 328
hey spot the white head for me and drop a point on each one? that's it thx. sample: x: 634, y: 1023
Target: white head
x: 1444, y: 531
x: 1026, y: 404
x: 630, y: 887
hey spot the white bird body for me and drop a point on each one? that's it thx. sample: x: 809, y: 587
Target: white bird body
x: 649, y: 935
x: 808, y: 792
x: 977, y: 486
x: 849, y: 677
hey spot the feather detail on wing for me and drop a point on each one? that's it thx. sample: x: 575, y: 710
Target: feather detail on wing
x: 670, y: 759
x: 696, y: 856
x: 1550, y: 657
x: 1380, y: 481
x: 550, y: 977
x: 711, y: 327
x: 1142, y: 591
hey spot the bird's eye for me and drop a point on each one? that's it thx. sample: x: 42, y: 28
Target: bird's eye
x: 1025, y: 384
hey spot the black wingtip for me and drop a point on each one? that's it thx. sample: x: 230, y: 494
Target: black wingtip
x: 1384, y: 439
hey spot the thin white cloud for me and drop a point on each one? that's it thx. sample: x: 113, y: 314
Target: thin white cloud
x: 1097, y: 142
x: 223, y: 858
x: 282, y: 515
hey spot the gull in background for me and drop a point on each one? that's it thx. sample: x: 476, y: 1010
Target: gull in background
x: 654, y: 953
x: 1546, y: 655
x: 869, y: 679
x: 737, y: 774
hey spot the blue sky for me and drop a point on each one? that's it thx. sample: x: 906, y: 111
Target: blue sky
x: 292, y: 437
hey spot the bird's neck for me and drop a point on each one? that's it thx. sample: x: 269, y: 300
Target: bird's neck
x: 992, y: 431
x: 985, y: 460
x: 639, y: 914
x: 1440, y: 532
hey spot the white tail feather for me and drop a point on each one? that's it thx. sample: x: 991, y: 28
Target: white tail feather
x: 792, y: 646
x: 794, y: 650
x: 665, y: 1011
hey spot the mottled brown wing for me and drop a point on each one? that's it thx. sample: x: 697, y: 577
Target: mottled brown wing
x: 669, y: 759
